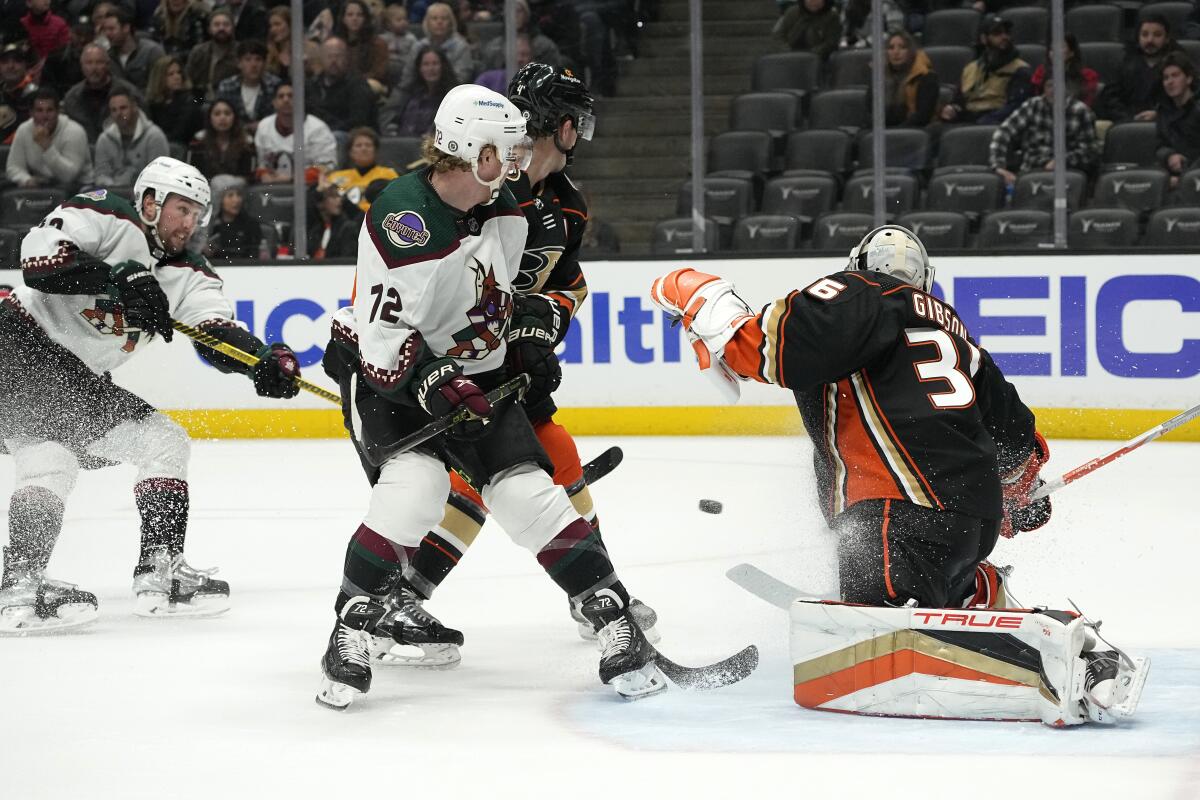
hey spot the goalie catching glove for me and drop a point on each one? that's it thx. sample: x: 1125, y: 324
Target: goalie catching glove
x: 1020, y: 515
x: 711, y: 313
x: 531, y: 341
x: 134, y: 286
x: 441, y: 389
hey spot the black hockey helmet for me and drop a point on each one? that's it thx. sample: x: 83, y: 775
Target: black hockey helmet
x: 546, y: 95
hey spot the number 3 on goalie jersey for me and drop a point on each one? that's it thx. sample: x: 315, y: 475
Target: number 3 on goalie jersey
x: 390, y: 308
x: 944, y: 368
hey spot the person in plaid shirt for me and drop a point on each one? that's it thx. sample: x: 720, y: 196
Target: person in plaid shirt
x: 1031, y: 129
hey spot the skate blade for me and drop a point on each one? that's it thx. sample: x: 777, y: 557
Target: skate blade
x: 640, y: 683
x: 1112, y: 713
x: 158, y: 605
x: 334, y: 695
x: 433, y: 656
x: 24, y: 622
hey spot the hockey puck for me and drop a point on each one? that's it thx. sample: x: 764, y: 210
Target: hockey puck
x: 711, y: 506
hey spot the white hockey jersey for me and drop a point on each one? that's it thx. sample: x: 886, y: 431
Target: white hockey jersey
x: 67, y: 255
x: 431, y: 281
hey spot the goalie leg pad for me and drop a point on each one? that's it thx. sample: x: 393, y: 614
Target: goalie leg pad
x: 944, y: 663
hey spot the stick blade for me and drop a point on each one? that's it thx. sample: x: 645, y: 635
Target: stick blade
x: 763, y: 586
x: 602, y: 464
x: 723, y: 673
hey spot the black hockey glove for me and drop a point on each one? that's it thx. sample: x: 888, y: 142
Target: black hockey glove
x: 441, y: 388
x: 1019, y: 514
x: 276, y: 372
x: 531, y: 350
x: 134, y: 286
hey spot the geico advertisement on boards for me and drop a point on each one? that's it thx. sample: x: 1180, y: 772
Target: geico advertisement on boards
x: 1070, y: 331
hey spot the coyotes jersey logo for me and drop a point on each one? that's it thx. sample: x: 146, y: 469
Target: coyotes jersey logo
x: 488, y: 317
x: 98, y: 318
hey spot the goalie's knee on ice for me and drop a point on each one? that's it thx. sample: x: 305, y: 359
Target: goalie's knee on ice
x: 409, y: 498
x: 530, y: 507
x: 48, y: 465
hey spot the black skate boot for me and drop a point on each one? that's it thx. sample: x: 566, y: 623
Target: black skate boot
x: 167, y: 586
x: 643, y: 615
x: 346, y: 665
x: 32, y: 603
x: 627, y: 659
x: 1112, y: 685
x: 408, y: 623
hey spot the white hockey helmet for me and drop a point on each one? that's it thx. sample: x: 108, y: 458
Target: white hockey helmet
x: 895, y: 251
x: 168, y: 176
x: 472, y: 117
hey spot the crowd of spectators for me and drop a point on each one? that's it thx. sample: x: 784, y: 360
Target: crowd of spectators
x: 92, y: 90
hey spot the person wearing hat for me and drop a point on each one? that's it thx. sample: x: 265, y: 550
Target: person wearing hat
x: 17, y: 87
x: 994, y: 84
x: 234, y: 233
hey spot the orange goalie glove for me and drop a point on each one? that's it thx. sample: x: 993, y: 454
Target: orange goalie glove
x: 711, y: 313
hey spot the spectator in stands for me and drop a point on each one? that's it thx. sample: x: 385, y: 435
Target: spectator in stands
x: 1137, y: 91
x: 433, y: 77
x: 87, y: 101
x: 856, y: 21
x: 811, y: 25
x: 367, y: 52
x: 334, y: 231
x: 276, y: 149
x: 17, y: 86
x: 100, y: 14
x: 252, y: 90
x: 47, y: 31
x: 544, y: 50
x: 234, y: 233
x: 179, y: 25
x: 1084, y: 82
x: 339, y: 95
x: 497, y: 79
x: 441, y: 32
x: 1029, y: 131
x: 279, y: 45
x: 994, y: 84
x: 61, y: 68
x: 49, y: 149
x: 1178, y: 119
x: 215, y: 60
x: 364, y: 169
x: 131, y: 55
x: 401, y: 44
x: 172, y: 103
x: 129, y: 142
x: 249, y: 19
x: 223, y: 147
x: 912, y: 85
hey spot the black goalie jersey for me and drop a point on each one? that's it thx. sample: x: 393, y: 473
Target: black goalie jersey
x: 899, y: 401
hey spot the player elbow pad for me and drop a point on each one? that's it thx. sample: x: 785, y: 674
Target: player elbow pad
x: 231, y: 334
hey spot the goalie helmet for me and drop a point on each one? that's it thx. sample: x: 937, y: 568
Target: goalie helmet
x: 547, y: 95
x: 895, y: 251
x: 168, y: 176
x: 470, y: 118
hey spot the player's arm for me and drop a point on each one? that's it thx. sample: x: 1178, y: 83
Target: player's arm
x: 202, y: 304
x: 58, y: 256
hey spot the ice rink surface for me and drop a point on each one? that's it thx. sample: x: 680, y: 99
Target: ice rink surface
x: 223, y: 708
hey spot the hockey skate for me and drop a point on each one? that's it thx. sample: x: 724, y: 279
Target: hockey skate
x: 346, y: 665
x: 627, y: 659
x: 167, y: 586
x: 1112, y: 684
x: 643, y: 616
x: 32, y: 603
x: 410, y: 626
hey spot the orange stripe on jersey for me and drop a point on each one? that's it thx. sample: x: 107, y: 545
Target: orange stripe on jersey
x: 574, y: 211
x: 354, y: 287
x: 782, y: 336
x: 863, y: 279
x: 742, y: 351
x: 867, y: 476
x: 526, y: 203
x: 887, y: 560
x: 899, y: 444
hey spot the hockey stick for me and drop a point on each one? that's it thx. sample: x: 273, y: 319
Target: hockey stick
x: 237, y: 354
x: 766, y: 587
x: 514, y: 387
x: 714, y: 676
x: 1133, y: 444
x: 602, y: 464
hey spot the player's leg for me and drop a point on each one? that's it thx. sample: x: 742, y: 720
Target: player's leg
x: 444, y: 544
x: 537, y: 515
x: 29, y: 601
x: 568, y: 473
x: 164, y: 584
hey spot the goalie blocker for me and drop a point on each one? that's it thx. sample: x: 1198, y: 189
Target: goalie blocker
x: 988, y: 664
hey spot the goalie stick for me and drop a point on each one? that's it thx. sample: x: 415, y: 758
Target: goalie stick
x: 765, y: 587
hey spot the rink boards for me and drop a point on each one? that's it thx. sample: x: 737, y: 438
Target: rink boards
x: 1103, y: 346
